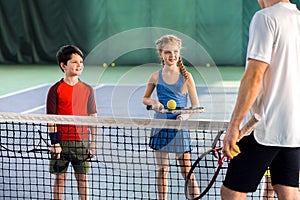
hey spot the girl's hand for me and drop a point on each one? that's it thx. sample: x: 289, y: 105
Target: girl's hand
x: 179, y: 117
x: 157, y: 106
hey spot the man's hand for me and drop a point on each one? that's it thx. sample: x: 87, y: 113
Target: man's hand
x: 230, y: 140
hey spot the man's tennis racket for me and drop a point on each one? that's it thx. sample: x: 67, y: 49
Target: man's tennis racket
x: 208, y: 165
x: 179, y: 110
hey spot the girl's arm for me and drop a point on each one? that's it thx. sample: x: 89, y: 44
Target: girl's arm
x: 147, y: 99
x: 192, y: 91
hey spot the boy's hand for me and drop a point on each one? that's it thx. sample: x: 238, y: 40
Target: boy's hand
x: 93, y: 149
x: 56, y: 149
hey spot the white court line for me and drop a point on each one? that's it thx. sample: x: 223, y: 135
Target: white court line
x: 34, y: 109
x: 26, y: 90
x: 98, y: 86
x: 22, y: 91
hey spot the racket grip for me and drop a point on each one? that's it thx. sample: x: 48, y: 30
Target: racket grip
x: 149, y: 107
x: 248, y: 127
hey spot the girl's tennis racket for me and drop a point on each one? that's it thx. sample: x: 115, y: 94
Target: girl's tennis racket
x: 208, y: 165
x: 179, y: 110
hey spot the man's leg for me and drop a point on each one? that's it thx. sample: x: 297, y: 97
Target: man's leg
x: 228, y: 194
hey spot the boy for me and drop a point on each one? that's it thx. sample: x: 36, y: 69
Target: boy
x: 70, y: 143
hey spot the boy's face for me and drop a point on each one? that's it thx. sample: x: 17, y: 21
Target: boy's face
x: 74, y: 66
x: 170, y: 54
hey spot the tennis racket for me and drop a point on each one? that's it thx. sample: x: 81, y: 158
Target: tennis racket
x: 208, y: 165
x: 179, y: 110
x: 23, y: 138
x: 66, y: 157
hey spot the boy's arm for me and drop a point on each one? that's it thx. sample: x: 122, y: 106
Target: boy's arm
x: 55, y: 146
x: 93, y: 146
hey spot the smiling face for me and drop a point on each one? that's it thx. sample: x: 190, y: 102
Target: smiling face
x: 170, y: 53
x: 74, y: 66
x: 168, y: 48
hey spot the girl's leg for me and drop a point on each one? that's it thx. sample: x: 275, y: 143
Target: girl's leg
x: 162, y: 160
x: 268, y: 191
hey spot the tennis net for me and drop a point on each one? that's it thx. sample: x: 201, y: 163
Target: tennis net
x: 124, y: 168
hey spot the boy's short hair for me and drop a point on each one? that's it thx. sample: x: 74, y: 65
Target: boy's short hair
x: 65, y: 52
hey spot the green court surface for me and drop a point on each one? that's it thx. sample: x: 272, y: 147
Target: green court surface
x: 19, y: 77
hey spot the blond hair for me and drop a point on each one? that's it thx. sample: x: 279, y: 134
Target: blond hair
x: 160, y: 44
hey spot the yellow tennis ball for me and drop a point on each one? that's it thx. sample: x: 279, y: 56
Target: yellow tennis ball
x: 171, y: 104
x: 233, y: 152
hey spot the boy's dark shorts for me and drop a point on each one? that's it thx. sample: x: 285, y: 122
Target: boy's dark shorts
x: 74, y: 152
x: 246, y: 170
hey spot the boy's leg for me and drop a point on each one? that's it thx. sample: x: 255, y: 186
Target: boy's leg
x: 59, y: 185
x: 82, y: 184
x: 59, y: 168
x: 81, y: 165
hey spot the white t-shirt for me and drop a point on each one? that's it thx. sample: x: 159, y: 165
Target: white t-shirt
x: 274, y: 38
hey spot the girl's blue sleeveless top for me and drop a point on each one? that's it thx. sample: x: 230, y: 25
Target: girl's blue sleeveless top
x: 170, y: 140
x: 166, y: 92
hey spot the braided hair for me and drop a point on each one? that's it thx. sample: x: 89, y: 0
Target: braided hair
x: 161, y: 42
x: 182, y: 69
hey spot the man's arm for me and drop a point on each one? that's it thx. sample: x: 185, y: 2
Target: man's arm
x: 249, y: 89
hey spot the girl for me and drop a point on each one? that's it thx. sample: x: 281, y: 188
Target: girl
x: 172, y: 81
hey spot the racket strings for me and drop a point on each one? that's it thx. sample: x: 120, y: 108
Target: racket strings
x: 209, y: 174
x: 22, y: 137
x: 205, y: 170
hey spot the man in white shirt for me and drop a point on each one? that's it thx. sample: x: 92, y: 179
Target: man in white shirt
x: 269, y: 87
